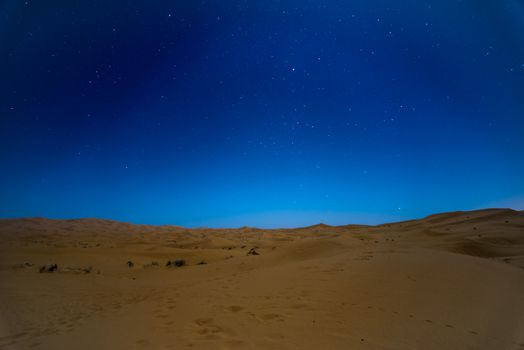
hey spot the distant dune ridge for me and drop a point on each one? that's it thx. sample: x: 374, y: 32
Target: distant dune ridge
x: 447, y: 281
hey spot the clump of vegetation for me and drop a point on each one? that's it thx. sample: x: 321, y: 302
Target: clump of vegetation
x: 177, y: 263
x: 130, y: 264
x: 253, y: 251
x: 48, y: 268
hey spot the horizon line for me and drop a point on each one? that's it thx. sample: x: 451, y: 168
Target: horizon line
x: 253, y: 227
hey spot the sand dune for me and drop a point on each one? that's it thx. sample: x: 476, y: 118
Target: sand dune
x: 447, y: 281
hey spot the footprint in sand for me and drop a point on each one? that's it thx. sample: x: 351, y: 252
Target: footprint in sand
x: 273, y: 317
x: 233, y: 343
x: 143, y: 342
x: 207, y: 328
x: 14, y: 336
x: 235, y: 308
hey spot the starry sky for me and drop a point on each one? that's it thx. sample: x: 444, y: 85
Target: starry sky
x: 261, y: 113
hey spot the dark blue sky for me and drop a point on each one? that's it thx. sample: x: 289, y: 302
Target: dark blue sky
x: 267, y: 113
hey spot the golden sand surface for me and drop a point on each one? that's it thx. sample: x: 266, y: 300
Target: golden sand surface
x: 448, y: 281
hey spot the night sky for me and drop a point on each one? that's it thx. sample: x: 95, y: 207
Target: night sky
x: 266, y: 113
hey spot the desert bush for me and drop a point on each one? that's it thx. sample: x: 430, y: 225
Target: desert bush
x: 253, y: 251
x: 177, y: 263
x: 48, y: 268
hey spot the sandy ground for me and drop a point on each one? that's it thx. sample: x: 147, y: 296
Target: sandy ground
x: 448, y: 281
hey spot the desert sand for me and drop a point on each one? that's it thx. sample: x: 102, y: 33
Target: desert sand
x: 448, y: 281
